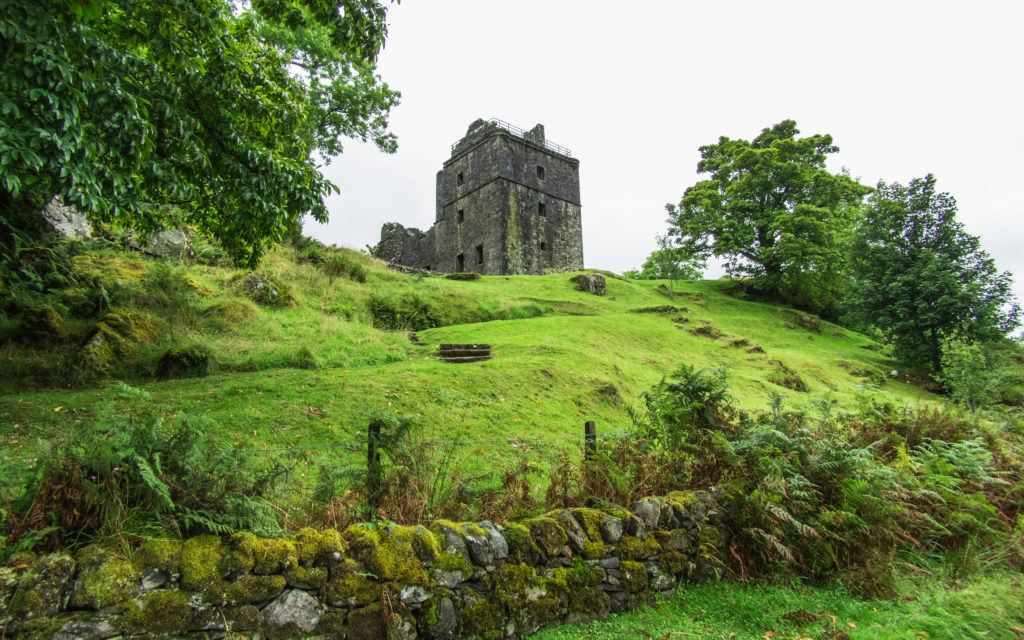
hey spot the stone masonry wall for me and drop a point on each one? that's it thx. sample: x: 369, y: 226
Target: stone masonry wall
x: 505, y: 203
x: 451, y: 580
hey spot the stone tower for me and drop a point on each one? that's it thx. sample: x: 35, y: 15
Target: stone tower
x: 508, y: 203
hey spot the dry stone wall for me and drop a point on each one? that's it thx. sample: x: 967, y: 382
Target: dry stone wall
x: 450, y: 580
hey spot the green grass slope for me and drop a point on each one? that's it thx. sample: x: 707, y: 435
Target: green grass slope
x: 308, y: 372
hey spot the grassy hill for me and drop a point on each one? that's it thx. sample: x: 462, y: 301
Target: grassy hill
x: 307, y: 368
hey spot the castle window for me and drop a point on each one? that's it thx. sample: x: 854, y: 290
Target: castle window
x: 542, y: 209
x: 543, y: 245
x: 461, y: 216
x: 460, y: 263
x: 540, y: 172
x: 460, y: 179
x: 479, y: 254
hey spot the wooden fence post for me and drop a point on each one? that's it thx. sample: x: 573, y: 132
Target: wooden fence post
x: 590, y: 434
x: 373, y: 469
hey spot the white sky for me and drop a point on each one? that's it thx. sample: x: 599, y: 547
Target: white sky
x: 905, y: 88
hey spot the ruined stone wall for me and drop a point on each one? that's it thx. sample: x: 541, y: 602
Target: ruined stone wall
x: 451, y: 580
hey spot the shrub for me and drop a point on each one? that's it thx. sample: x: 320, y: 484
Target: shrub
x: 340, y: 266
x: 471, y: 275
x: 403, y: 313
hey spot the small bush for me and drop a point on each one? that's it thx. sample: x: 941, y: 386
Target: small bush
x: 229, y: 316
x: 471, y: 275
x: 339, y: 266
x: 406, y: 313
x: 187, y: 362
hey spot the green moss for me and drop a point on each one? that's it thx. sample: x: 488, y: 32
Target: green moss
x: 481, y: 617
x: 521, y: 547
x: 631, y: 548
x: 80, y: 301
x: 682, y: 499
x: 549, y: 537
x: 590, y: 521
x: 389, y: 556
x: 425, y: 544
x: 510, y: 584
x: 593, y: 550
x: 199, y: 288
x: 160, y: 611
x: 200, y: 567
x: 367, y: 623
x: 240, y: 556
x: 634, y: 576
x: 253, y: 589
x: 452, y: 562
x: 577, y: 588
x: 114, y: 336
x: 673, y: 562
x: 332, y: 624
x: 274, y: 556
x: 229, y: 316
x: 307, y: 577
x: 104, y: 579
x: 110, y: 272
x: 330, y: 543
x: 307, y: 546
x: 40, y: 589
x: 160, y: 554
x: 352, y: 590
x: 711, y: 539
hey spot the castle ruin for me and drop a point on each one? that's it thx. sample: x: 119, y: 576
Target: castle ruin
x: 508, y: 203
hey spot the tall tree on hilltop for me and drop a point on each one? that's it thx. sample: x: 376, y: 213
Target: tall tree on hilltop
x: 774, y: 213
x: 919, y: 277
x: 222, y: 108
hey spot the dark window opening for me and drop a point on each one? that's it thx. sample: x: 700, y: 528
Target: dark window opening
x: 460, y: 263
x: 461, y: 216
x: 460, y: 179
x: 542, y: 209
x: 543, y: 245
x: 479, y: 254
x: 540, y: 172
x: 426, y: 268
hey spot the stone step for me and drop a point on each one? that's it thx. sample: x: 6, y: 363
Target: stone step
x: 457, y: 353
x: 461, y: 359
x: 448, y: 347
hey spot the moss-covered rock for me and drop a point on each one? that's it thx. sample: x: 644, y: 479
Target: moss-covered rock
x: 367, y: 623
x: 480, y: 616
x: 548, y: 536
x: 352, y: 590
x: 674, y: 563
x: 111, y: 272
x: 104, y: 578
x: 634, y: 576
x: 115, y: 336
x: 254, y: 589
x: 273, y: 555
x: 43, y: 325
x: 43, y: 590
x: 186, y: 362
x: 387, y: 553
x: 162, y: 612
x: 201, y: 568
x: 521, y: 547
x: 239, y: 555
x: 307, y: 578
x: 229, y: 316
x: 262, y: 290
x: 631, y: 548
x: 160, y: 554
x: 425, y: 544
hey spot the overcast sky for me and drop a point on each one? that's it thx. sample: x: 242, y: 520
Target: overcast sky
x: 633, y: 89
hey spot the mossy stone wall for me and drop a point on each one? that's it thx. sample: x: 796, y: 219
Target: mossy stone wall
x: 450, y: 580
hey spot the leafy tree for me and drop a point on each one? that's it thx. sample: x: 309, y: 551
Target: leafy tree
x: 970, y: 371
x: 669, y: 263
x: 774, y: 213
x: 918, y: 276
x: 220, y: 107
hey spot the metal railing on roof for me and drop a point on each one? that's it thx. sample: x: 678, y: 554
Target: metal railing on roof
x: 520, y: 132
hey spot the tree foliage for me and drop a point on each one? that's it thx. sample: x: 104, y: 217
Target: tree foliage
x: 918, y: 276
x: 221, y: 108
x: 774, y: 213
x: 670, y: 263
